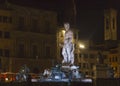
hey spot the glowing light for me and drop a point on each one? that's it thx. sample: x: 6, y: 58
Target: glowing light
x: 82, y: 46
x: 63, y: 31
x: 86, y: 80
x: 6, y: 79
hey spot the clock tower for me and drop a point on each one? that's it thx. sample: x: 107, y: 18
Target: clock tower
x: 110, y: 24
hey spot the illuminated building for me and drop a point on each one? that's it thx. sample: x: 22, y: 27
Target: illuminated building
x: 110, y: 49
x: 111, y: 39
x: 110, y: 24
x: 27, y: 36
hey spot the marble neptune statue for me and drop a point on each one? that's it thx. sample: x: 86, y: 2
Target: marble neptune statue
x: 68, y: 46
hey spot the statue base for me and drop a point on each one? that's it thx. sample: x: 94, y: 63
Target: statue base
x: 72, y: 71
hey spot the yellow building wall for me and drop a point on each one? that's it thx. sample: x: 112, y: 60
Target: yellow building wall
x: 44, y: 37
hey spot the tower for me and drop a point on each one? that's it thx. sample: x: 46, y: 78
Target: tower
x: 110, y: 24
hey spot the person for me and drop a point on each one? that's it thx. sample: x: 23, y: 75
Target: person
x: 68, y: 47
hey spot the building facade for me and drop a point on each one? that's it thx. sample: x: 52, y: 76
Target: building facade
x: 89, y: 57
x: 114, y: 62
x: 27, y: 36
x: 110, y: 49
x: 110, y: 24
x: 111, y: 33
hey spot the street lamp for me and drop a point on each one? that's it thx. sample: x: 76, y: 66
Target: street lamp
x: 81, y: 46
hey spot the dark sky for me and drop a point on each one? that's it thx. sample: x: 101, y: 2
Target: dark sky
x: 89, y: 13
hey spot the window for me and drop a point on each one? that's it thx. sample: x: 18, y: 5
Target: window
x: 87, y: 65
x: 0, y: 34
x: 34, y: 51
x: 91, y: 65
x: 113, y: 23
x: 110, y: 60
x: 1, y: 52
x: 115, y: 59
x: 92, y: 56
x: 6, y: 34
x: 10, y: 19
x: 47, y: 53
x: 85, y: 55
x: 6, y: 53
x: 5, y: 19
x: 84, y: 65
x: 21, y: 23
x: 86, y: 73
x: 0, y: 18
x: 92, y: 73
x: 34, y: 25
x: 47, y: 27
x: 0, y: 63
x: 21, y: 51
x: 107, y: 23
x: 105, y: 56
x: 80, y: 55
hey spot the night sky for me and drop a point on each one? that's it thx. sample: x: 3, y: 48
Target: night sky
x: 89, y: 13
